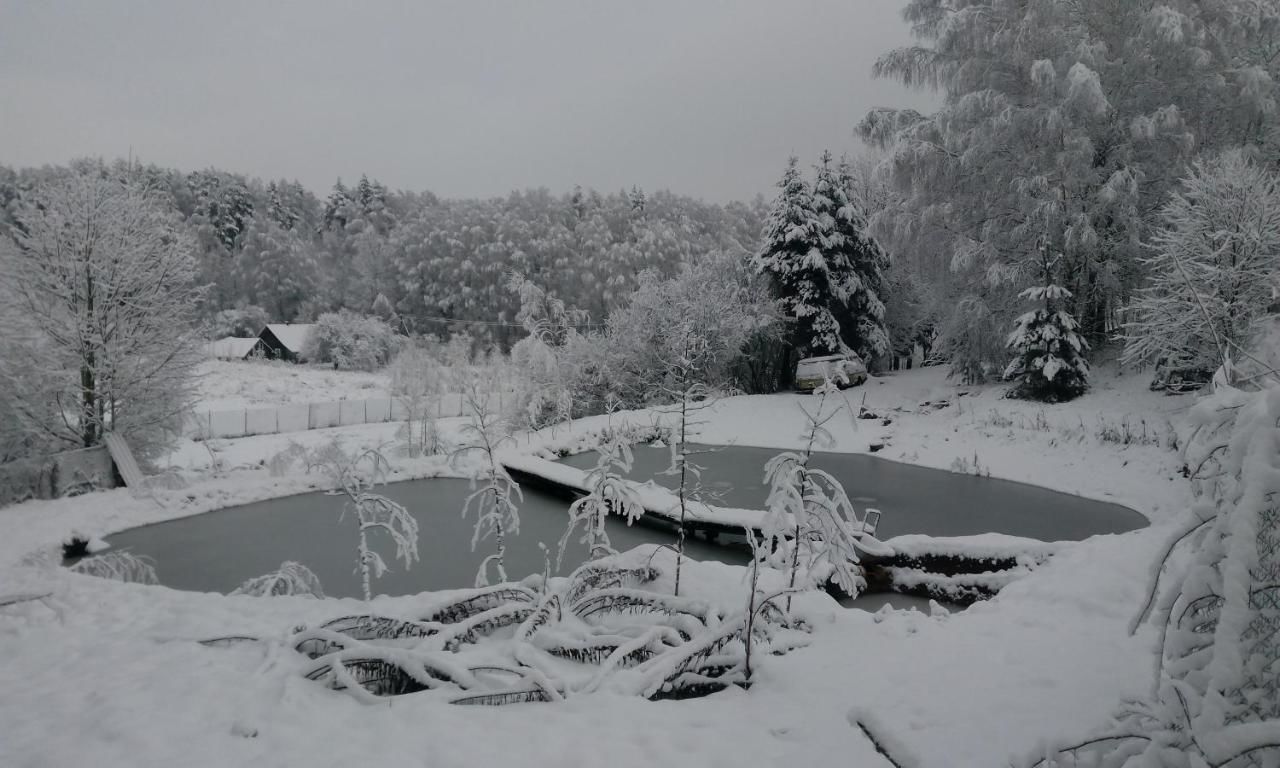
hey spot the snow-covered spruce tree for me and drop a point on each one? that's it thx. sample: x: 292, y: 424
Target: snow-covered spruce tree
x: 1215, y: 699
x: 862, y: 323
x: 1049, y: 363
x: 798, y: 241
x: 609, y: 492
x: 1212, y: 263
x: 494, y: 503
x: 356, y: 477
x: 810, y: 525
x: 97, y: 293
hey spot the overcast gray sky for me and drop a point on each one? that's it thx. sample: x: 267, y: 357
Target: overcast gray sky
x: 462, y: 98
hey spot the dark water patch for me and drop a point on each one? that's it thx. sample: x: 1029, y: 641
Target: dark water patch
x: 912, y: 499
x: 218, y: 551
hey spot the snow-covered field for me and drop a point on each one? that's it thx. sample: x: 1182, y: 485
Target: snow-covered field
x: 226, y: 385
x: 104, y: 673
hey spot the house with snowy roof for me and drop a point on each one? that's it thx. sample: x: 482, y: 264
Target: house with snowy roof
x: 232, y: 348
x: 286, y: 341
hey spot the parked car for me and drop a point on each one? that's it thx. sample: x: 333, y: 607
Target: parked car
x: 846, y: 370
x: 1183, y: 378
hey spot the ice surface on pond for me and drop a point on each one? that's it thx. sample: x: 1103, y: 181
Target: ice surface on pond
x: 913, y: 499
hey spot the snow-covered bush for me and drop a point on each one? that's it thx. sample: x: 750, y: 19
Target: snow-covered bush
x: 1049, y: 363
x: 811, y: 524
x: 356, y: 477
x: 690, y: 328
x: 291, y: 578
x: 1215, y: 699
x: 609, y: 492
x: 417, y: 382
x: 119, y: 566
x: 351, y: 341
x: 1212, y: 269
x: 605, y: 627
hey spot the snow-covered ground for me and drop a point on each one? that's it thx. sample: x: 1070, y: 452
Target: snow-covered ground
x: 226, y: 385
x: 109, y: 674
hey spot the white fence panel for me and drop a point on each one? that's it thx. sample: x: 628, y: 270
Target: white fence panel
x: 324, y: 415
x: 351, y: 412
x: 261, y: 421
x: 377, y: 410
x: 226, y: 424
x: 300, y: 417
x: 293, y: 418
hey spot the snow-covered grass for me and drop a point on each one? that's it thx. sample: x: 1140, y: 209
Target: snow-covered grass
x: 226, y: 385
x: 116, y: 678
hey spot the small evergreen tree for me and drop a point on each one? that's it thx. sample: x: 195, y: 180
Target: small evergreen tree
x: 1049, y: 363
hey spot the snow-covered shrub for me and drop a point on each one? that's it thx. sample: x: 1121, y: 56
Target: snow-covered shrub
x: 970, y: 339
x: 811, y: 524
x: 1049, y: 363
x: 605, y: 626
x: 1212, y: 268
x: 291, y: 578
x: 119, y: 566
x: 1215, y: 699
x: 495, y: 502
x: 356, y: 477
x: 351, y: 341
x: 693, y: 326
x: 417, y: 382
x: 609, y: 492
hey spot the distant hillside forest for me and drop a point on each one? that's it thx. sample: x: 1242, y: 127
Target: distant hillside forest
x: 439, y: 263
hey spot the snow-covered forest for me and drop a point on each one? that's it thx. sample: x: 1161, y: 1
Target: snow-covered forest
x: 960, y: 446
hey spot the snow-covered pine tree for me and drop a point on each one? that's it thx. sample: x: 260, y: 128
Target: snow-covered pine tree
x: 794, y: 256
x: 863, y: 325
x: 1049, y: 363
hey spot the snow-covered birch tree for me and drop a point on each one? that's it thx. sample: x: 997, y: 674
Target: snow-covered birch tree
x: 1065, y: 124
x: 1212, y: 264
x: 356, y: 477
x: 97, y: 294
x: 495, y: 496
x: 609, y: 492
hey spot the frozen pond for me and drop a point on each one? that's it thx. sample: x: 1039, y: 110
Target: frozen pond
x: 912, y: 499
x: 217, y: 551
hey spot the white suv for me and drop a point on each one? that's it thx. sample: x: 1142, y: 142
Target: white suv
x: 811, y: 372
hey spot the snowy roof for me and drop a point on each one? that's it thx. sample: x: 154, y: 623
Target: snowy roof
x: 230, y: 348
x: 292, y: 335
